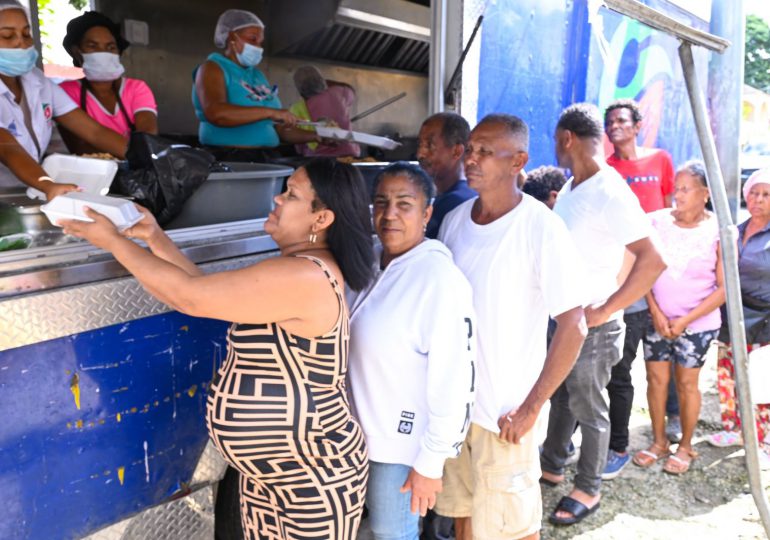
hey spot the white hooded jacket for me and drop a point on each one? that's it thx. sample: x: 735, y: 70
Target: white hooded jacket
x: 411, y: 361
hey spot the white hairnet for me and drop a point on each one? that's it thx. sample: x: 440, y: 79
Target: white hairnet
x: 229, y: 21
x: 13, y: 4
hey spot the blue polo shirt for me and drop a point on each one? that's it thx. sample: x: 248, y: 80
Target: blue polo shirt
x: 445, y: 203
x: 754, y: 272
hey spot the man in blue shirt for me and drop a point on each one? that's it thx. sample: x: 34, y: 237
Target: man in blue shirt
x: 442, y: 142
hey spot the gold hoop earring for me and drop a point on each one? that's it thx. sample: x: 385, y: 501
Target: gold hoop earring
x: 313, y: 237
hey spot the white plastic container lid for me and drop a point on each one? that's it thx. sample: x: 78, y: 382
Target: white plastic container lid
x: 91, y: 175
x: 121, y: 212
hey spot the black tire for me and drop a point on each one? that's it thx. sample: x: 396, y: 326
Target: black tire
x: 227, y: 510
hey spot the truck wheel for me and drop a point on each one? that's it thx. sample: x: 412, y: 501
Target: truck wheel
x: 227, y: 511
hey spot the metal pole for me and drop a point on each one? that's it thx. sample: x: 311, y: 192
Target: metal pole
x: 725, y: 91
x: 458, y: 70
x: 437, y: 56
x: 34, y: 16
x: 728, y: 236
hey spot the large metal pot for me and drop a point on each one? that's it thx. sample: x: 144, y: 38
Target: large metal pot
x: 32, y: 218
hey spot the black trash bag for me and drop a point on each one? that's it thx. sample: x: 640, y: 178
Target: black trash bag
x: 161, y: 174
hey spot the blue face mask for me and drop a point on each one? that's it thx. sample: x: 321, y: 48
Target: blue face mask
x: 250, y: 56
x: 15, y: 62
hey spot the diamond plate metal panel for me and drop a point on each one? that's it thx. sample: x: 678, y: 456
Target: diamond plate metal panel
x: 188, y: 518
x: 58, y: 313
x: 211, y: 466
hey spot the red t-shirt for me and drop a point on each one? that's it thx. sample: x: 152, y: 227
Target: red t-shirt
x: 651, y: 177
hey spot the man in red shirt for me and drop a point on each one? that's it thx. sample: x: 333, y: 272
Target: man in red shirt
x: 649, y: 173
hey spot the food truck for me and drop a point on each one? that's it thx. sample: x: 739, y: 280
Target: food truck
x: 103, y: 388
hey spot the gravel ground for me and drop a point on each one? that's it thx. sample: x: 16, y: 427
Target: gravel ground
x: 711, y: 501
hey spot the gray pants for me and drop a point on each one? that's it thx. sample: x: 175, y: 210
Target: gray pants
x: 582, y: 398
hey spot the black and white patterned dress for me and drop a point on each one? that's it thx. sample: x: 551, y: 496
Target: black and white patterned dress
x: 278, y: 412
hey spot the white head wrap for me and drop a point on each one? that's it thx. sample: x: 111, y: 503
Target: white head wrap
x: 762, y: 176
x: 13, y: 4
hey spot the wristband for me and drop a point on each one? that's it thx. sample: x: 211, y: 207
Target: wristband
x: 45, y: 179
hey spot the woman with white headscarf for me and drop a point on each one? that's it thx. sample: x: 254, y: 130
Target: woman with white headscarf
x: 30, y: 104
x: 234, y: 102
x: 754, y: 273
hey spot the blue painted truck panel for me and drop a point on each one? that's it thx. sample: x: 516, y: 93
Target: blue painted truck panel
x: 538, y: 57
x: 100, y: 425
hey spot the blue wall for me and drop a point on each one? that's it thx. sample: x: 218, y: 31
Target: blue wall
x: 138, y: 383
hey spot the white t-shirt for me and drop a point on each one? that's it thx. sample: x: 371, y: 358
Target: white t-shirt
x: 604, y: 216
x: 522, y: 267
x: 46, y: 101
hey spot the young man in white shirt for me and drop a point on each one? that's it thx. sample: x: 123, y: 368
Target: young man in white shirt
x: 605, y: 219
x: 522, y: 265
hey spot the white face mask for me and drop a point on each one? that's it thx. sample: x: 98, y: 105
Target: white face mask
x: 102, y: 66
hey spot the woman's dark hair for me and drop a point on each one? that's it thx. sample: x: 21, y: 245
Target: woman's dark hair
x: 697, y: 168
x: 414, y: 174
x: 542, y: 181
x: 340, y: 188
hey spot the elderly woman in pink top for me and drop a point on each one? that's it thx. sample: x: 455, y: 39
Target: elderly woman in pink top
x: 684, y: 308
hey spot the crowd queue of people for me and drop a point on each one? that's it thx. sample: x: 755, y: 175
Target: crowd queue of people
x: 409, y: 375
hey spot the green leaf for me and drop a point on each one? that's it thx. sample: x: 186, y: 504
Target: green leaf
x: 757, y: 56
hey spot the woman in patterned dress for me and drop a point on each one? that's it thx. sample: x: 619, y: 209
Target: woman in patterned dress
x: 684, y: 309
x: 277, y: 409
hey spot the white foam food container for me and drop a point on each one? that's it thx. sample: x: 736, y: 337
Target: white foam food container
x: 121, y: 212
x: 340, y: 134
x: 91, y: 175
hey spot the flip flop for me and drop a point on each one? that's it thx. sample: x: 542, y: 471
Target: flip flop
x: 578, y: 510
x: 647, y: 458
x: 679, y: 465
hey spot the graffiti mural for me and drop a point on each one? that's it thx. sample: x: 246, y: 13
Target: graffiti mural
x: 641, y: 71
x: 538, y: 57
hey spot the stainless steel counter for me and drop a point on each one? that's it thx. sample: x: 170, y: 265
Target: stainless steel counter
x: 50, y: 267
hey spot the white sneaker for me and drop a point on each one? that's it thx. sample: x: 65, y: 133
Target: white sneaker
x: 723, y: 439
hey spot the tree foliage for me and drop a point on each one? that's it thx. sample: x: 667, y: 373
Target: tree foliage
x: 757, y: 59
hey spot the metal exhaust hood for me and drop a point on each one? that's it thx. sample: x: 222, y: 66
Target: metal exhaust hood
x: 389, y: 34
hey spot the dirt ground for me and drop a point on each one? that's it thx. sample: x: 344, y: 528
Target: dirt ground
x: 711, y: 502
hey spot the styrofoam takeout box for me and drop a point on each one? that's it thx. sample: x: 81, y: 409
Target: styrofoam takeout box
x: 91, y: 175
x: 356, y: 136
x: 121, y: 212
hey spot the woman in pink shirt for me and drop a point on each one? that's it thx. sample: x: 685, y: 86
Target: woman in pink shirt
x: 116, y: 102
x: 684, y: 313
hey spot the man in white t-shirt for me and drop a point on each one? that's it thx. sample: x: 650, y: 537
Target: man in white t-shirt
x: 523, y: 267
x: 605, y: 219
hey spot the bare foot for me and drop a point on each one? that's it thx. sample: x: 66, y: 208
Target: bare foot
x: 555, y: 478
x: 581, y: 497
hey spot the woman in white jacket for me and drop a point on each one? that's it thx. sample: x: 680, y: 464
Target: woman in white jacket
x: 412, y: 349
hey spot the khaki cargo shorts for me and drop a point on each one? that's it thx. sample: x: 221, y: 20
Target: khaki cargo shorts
x: 496, y: 484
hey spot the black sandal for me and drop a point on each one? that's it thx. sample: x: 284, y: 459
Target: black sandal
x: 578, y: 510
